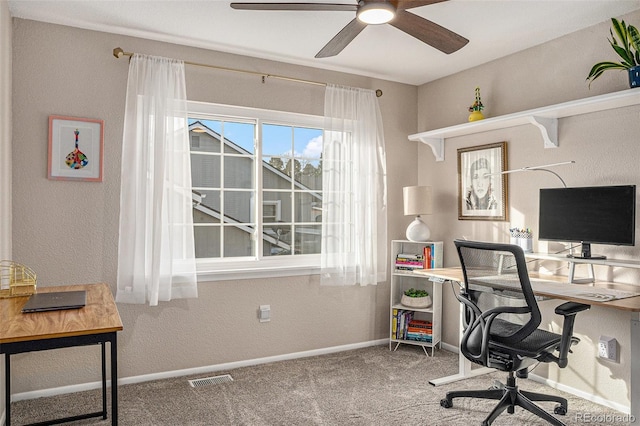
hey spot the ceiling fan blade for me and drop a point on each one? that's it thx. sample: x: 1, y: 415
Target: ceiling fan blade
x: 428, y: 32
x: 342, y: 39
x: 296, y: 6
x: 410, y: 4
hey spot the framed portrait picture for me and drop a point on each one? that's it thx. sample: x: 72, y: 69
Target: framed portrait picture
x: 75, y: 148
x: 482, y: 190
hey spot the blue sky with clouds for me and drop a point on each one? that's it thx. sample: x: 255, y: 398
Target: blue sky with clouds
x: 277, y: 140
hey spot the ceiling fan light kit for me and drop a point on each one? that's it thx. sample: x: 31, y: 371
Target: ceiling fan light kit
x: 393, y: 12
x: 376, y: 13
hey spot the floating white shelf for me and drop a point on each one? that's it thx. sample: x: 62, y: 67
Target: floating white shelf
x: 544, y: 118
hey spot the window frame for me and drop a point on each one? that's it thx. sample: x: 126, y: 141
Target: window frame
x: 211, y: 269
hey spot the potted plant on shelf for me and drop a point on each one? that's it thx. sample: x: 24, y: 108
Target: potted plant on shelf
x: 627, y: 46
x: 476, y: 108
x: 413, y: 298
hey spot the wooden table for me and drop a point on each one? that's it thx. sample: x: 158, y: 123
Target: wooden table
x: 96, y: 323
x: 630, y: 305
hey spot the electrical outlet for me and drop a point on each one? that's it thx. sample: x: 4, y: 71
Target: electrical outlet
x: 264, y: 313
x: 608, y: 348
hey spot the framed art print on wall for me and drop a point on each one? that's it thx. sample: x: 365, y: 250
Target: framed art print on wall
x: 482, y: 189
x: 76, y: 148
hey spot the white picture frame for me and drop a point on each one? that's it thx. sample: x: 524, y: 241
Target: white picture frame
x: 76, y: 147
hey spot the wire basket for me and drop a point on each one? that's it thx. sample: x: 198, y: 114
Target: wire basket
x: 16, y: 279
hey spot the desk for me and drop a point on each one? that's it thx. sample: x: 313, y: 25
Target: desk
x: 96, y: 323
x: 631, y: 305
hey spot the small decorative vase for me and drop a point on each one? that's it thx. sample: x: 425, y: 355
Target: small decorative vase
x: 476, y: 115
x: 634, y: 77
x: 416, y: 302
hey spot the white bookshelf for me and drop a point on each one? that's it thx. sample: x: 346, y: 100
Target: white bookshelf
x: 402, y: 280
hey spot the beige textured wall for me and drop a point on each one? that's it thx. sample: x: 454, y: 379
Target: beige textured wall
x: 67, y: 231
x: 604, y: 145
x: 5, y: 150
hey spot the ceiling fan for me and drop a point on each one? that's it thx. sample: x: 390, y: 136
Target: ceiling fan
x: 368, y: 12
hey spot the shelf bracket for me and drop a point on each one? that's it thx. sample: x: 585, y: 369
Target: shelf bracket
x: 548, y: 129
x: 437, y: 146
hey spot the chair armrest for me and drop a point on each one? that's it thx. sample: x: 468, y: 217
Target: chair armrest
x: 571, y: 308
x: 568, y: 310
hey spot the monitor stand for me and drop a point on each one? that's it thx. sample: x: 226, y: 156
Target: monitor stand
x: 585, y: 253
x: 572, y: 274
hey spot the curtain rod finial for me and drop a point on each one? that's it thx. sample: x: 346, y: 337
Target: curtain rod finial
x: 378, y: 93
x: 118, y: 52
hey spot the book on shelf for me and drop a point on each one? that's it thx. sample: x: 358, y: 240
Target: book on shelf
x: 427, y: 338
x: 420, y: 325
x: 409, y: 256
x: 417, y: 330
x: 394, y: 323
x: 430, y: 256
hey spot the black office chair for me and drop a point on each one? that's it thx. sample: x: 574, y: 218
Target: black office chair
x: 507, y: 338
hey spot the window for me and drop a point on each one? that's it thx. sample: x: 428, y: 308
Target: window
x: 257, y: 188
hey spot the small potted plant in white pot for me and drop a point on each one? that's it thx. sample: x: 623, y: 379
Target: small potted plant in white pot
x: 627, y: 46
x: 417, y: 299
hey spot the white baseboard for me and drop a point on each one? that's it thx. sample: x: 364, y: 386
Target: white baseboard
x: 191, y: 371
x: 450, y: 348
x: 582, y: 394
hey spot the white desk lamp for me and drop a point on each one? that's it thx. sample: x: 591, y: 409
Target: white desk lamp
x: 536, y: 169
x: 417, y: 201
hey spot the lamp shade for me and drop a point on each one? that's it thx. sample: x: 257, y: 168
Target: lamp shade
x: 417, y: 200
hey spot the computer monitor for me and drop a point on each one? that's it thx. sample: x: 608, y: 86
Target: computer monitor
x: 588, y: 215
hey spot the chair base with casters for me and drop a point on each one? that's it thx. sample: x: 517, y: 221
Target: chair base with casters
x: 510, y: 397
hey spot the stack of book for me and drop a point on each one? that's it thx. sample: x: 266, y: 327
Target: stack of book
x: 419, y: 330
x: 409, y: 262
x: 405, y: 327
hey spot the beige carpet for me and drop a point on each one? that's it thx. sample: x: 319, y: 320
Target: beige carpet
x: 370, y: 386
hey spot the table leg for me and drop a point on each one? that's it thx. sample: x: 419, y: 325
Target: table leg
x: 7, y: 389
x: 634, y: 388
x: 114, y: 380
x: 464, y: 365
x: 104, y: 380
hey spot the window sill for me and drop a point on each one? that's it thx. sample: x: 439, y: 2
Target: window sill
x: 255, y: 272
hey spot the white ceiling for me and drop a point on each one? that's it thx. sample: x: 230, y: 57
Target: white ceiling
x: 495, y: 28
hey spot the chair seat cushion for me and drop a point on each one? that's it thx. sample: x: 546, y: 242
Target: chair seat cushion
x: 532, y: 346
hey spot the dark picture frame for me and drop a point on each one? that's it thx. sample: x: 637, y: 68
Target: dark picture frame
x: 482, y: 189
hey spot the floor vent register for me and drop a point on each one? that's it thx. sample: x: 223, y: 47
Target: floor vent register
x: 207, y: 381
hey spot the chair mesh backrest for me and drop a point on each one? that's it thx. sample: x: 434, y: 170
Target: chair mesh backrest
x: 503, y: 268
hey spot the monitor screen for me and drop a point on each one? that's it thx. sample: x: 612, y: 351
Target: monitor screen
x: 596, y: 214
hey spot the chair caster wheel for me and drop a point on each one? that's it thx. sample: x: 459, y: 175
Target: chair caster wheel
x: 446, y: 403
x: 485, y: 423
x: 560, y: 410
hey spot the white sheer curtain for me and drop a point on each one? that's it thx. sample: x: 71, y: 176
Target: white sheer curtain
x: 156, y: 254
x: 354, y: 205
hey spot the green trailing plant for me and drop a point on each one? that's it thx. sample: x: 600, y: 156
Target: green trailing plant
x: 626, y: 45
x: 412, y: 292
